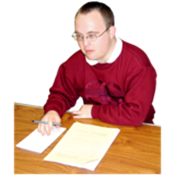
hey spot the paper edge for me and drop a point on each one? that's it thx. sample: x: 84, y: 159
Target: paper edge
x: 34, y: 151
x: 86, y: 164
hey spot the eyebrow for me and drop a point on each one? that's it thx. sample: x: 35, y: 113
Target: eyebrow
x: 87, y: 33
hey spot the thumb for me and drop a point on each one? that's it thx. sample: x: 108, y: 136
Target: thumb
x: 76, y: 112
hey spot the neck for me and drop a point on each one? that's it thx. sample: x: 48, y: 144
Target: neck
x: 111, y: 49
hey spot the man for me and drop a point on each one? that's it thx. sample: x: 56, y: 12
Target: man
x: 115, y: 79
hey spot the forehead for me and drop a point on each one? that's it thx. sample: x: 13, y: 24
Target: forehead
x: 92, y: 21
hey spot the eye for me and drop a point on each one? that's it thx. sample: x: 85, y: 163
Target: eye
x: 91, y: 36
x: 79, y: 36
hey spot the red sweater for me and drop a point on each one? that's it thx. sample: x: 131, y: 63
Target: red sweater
x: 121, y: 92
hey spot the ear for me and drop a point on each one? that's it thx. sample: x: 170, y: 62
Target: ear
x: 112, y: 31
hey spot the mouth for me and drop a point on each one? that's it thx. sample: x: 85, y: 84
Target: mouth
x: 89, y: 51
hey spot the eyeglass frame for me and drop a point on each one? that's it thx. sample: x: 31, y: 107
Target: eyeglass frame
x: 73, y: 35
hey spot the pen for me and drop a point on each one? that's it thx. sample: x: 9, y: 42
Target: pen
x: 42, y: 122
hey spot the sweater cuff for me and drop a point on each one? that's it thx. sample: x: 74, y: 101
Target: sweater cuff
x: 53, y: 107
x: 94, y: 111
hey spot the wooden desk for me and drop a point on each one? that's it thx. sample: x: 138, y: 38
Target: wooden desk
x: 135, y: 150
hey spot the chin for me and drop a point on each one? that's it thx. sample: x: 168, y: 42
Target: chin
x: 90, y: 58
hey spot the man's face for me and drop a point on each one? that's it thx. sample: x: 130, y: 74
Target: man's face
x: 89, y: 24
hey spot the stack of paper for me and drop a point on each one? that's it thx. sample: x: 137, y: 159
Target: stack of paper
x: 83, y: 146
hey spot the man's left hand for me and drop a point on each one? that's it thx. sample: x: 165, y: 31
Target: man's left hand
x: 84, y: 112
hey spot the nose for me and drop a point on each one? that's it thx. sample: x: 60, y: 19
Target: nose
x: 86, y: 41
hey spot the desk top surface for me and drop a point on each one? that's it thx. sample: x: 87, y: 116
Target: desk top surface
x: 136, y: 150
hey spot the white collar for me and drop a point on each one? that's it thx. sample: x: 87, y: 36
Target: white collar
x: 114, y: 55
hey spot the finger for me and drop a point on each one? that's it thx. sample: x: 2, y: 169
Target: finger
x: 44, y: 127
x: 39, y: 128
x: 42, y: 130
x: 76, y: 112
x: 57, y: 120
x: 47, y: 129
x: 50, y: 124
x: 78, y: 116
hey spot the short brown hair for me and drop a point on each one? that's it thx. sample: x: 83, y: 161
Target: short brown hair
x: 105, y: 11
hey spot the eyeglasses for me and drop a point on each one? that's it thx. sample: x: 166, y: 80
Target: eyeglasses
x: 90, y: 37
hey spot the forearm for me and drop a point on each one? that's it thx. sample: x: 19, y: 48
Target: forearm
x: 122, y: 114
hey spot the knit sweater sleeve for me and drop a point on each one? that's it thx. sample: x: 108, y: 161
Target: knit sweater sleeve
x: 134, y: 108
x: 63, y: 94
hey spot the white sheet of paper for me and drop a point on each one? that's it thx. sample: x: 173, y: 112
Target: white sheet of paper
x: 35, y: 142
x: 83, y: 146
x: 158, y: 125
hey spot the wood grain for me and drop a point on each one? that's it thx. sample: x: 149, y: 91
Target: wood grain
x: 136, y: 150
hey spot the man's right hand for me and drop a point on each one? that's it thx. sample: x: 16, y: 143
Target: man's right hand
x: 50, y: 117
